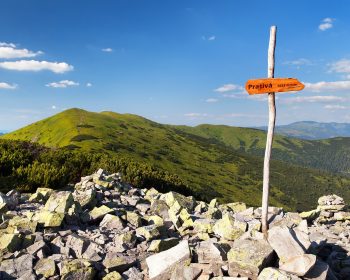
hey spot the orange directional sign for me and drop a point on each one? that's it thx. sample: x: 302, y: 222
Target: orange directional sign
x: 273, y: 85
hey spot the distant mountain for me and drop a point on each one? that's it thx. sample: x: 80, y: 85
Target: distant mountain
x: 214, y: 161
x: 314, y: 130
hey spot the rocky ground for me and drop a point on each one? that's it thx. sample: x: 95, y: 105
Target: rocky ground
x: 106, y: 229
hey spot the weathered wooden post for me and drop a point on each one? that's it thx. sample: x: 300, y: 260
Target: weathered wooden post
x: 270, y: 131
x: 270, y: 86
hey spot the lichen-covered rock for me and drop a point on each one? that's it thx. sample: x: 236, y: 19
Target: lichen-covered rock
x: 226, y: 228
x: 248, y: 257
x: 310, y: 215
x: 112, y: 222
x: 99, y: 212
x: 204, y: 225
x: 41, y: 195
x: 59, y: 202
x: 271, y: 273
x: 118, y: 262
x: 77, y: 269
x: 148, y: 232
x: 155, y: 220
x: 177, y: 200
x: 45, y: 268
x: 87, y: 198
x: 133, y: 218
x: 10, y: 242
x: 113, y: 276
x: 21, y: 225
x: 160, y: 245
x: 237, y: 206
x: 49, y: 219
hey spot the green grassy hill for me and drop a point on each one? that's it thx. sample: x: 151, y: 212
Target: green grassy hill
x: 331, y: 155
x: 212, y: 162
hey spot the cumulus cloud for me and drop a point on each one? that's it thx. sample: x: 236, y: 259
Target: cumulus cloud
x: 7, y: 86
x: 325, y: 24
x: 34, y: 65
x: 340, y: 66
x: 328, y: 86
x: 228, y: 87
x: 10, y: 50
x: 211, y: 100
x: 313, y: 99
x: 107, y: 50
x: 62, y: 84
x: 89, y: 84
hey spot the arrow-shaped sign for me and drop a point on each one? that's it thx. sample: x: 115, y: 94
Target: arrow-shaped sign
x: 273, y: 85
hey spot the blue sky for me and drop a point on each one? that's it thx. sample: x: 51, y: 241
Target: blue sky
x: 178, y: 62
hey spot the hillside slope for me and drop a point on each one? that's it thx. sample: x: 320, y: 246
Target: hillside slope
x: 331, y: 155
x: 208, y: 166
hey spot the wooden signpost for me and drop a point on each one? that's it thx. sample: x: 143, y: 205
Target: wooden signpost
x: 270, y: 86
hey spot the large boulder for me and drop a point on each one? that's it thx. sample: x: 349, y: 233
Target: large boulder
x: 10, y: 242
x: 282, y: 240
x: 59, y: 202
x: 227, y: 228
x: 174, y: 199
x: 17, y: 267
x: 49, y: 219
x: 271, y: 273
x: 77, y: 269
x: 118, y: 262
x: 112, y: 222
x: 290, y: 250
x: 299, y: 265
x: 161, y: 265
x: 21, y: 225
x: 45, y: 268
x: 41, y: 195
x: 248, y: 257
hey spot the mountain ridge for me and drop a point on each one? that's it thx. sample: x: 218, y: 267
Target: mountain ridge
x: 312, y: 130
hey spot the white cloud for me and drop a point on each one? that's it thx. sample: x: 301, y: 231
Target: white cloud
x: 335, y: 107
x: 340, y: 66
x: 195, y: 115
x: 313, y: 99
x: 62, y: 84
x: 328, y: 86
x: 34, y: 65
x: 210, y: 38
x: 107, y: 50
x: 325, y: 24
x: 211, y: 100
x: 3, y: 44
x: 228, y: 87
x: 7, y: 86
x: 53, y: 107
x: 9, y: 50
x: 89, y: 84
